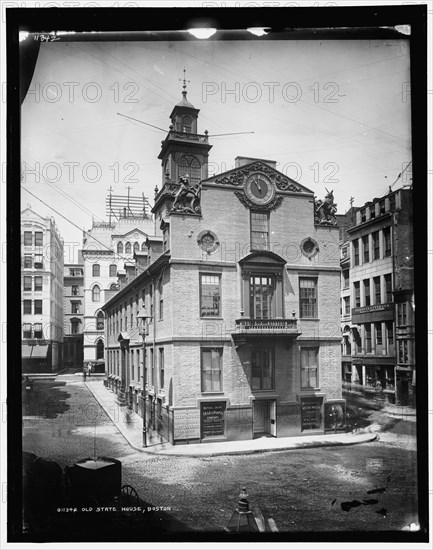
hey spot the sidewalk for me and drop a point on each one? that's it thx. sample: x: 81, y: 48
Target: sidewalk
x: 131, y: 429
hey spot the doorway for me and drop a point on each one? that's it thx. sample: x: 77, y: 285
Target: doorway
x: 264, y: 418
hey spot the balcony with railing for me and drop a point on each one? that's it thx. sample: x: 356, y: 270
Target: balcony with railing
x: 187, y: 136
x: 255, y: 328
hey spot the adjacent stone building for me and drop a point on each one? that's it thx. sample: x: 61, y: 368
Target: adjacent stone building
x: 378, y: 301
x: 42, y: 293
x: 239, y: 295
x: 73, y: 314
x: 106, y: 247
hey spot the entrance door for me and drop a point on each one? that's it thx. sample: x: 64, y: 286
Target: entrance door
x: 264, y: 420
x: 273, y: 418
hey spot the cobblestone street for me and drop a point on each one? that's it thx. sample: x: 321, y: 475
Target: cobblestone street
x: 302, y: 490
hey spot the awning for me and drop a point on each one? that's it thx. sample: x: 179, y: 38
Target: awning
x: 34, y: 352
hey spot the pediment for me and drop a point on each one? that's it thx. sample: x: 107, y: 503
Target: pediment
x: 130, y: 234
x: 262, y: 258
x: 236, y: 177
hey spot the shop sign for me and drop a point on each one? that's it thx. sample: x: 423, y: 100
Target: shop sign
x: 186, y: 424
x: 311, y: 413
x: 213, y: 418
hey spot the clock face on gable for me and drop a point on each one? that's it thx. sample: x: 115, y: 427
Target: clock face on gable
x: 259, y: 188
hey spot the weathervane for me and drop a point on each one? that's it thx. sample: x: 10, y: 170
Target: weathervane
x: 184, y: 80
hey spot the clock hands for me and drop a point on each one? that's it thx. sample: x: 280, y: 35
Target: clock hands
x: 259, y: 188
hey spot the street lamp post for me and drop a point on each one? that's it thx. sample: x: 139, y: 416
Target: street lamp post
x: 143, y: 325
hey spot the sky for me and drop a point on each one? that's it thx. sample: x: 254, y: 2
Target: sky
x: 334, y: 114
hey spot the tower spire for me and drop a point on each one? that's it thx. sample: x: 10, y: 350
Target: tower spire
x: 184, y: 91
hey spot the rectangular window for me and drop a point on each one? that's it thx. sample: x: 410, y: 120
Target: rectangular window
x: 378, y: 329
x: 38, y: 283
x: 38, y: 306
x: 28, y: 238
x: 161, y: 368
x: 376, y: 283
x: 28, y: 261
x: 27, y: 284
x: 152, y: 368
x: 388, y: 287
x: 211, y: 369
x: 376, y: 248
x: 262, y: 369
x: 75, y: 307
x: 403, y: 356
x: 27, y: 306
x: 367, y: 300
x: 356, y: 252
x: 401, y: 314
x: 309, y: 368
x: 357, y: 294
x: 161, y: 309
x: 39, y: 238
x: 390, y: 334
x: 38, y: 330
x: 345, y: 274
x: 367, y: 331
x: 74, y: 290
x: 27, y: 330
x: 138, y: 366
x: 347, y: 305
x: 308, y: 298
x: 261, y: 295
x: 365, y: 249
x: 151, y: 302
x: 259, y: 231
x: 38, y: 261
x: 210, y: 295
x: 165, y: 240
x: 387, y: 242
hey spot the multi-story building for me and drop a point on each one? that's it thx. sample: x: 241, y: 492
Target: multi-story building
x: 377, y: 274
x: 42, y: 293
x: 240, y: 288
x: 106, y: 247
x: 73, y: 314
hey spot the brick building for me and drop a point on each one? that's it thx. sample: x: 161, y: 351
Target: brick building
x: 378, y: 357
x: 42, y: 293
x: 240, y: 287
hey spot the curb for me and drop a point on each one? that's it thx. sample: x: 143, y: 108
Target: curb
x: 372, y: 436
x: 307, y: 445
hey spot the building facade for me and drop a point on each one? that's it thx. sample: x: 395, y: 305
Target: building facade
x: 106, y: 247
x: 73, y: 281
x: 240, y: 289
x: 377, y: 279
x: 42, y: 293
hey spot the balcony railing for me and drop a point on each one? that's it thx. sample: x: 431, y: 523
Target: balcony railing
x: 267, y: 326
x: 187, y: 136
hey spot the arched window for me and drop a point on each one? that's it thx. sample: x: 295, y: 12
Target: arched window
x: 113, y: 270
x: 96, y: 293
x: 136, y: 247
x: 96, y: 270
x: 128, y: 248
x: 100, y: 321
x: 100, y: 349
x: 120, y: 248
x: 186, y: 124
x: 190, y: 166
x: 75, y: 325
x: 143, y: 247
